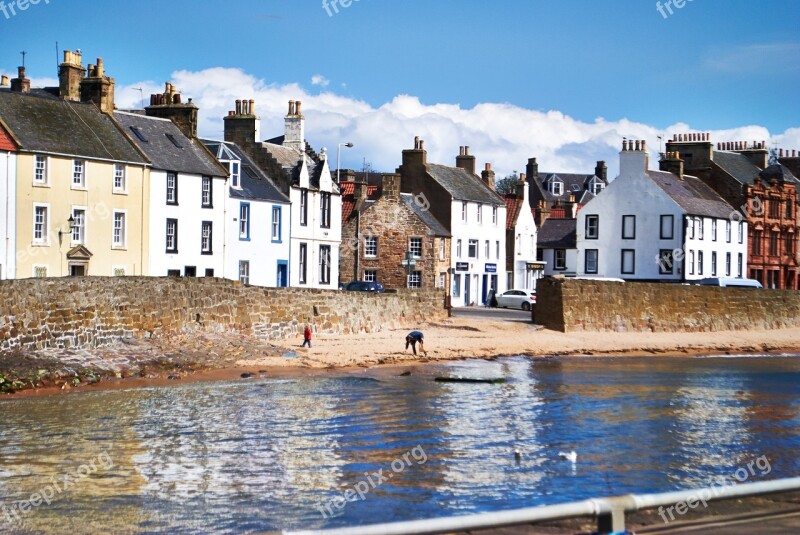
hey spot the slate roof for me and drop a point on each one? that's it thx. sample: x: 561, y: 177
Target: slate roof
x: 437, y: 229
x: 463, y: 186
x: 558, y: 234
x: 291, y: 161
x: 778, y: 172
x: 737, y: 165
x: 255, y: 184
x: 184, y: 156
x: 41, y: 122
x: 574, y: 184
x: 692, y: 194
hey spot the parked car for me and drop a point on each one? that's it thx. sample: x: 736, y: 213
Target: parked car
x: 516, y: 299
x: 730, y: 281
x: 362, y: 286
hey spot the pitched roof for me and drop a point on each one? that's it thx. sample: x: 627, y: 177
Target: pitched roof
x: 692, y: 194
x: 41, y: 122
x: 513, y: 206
x: 574, y: 184
x: 254, y: 183
x: 778, y: 172
x: 6, y: 143
x: 463, y: 186
x: 167, y: 147
x: 558, y: 234
x: 349, y: 188
x: 737, y: 165
x: 437, y: 229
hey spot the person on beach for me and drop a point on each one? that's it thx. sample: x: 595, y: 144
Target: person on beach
x: 413, y: 338
x: 307, y: 337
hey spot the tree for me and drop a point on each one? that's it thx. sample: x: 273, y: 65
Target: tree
x: 507, y: 185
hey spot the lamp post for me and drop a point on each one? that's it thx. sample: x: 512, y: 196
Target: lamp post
x: 71, y: 223
x: 339, y: 157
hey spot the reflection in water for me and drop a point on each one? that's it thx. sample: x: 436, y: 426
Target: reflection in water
x: 255, y: 456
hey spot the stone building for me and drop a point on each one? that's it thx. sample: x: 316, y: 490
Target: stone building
x: 382, y: 227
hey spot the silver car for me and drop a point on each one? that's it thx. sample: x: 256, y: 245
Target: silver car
x: 516, y: 299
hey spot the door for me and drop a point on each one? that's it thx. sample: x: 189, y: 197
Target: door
x: 76, y: 270
x: 283, y: 274
x: 485, y: 291
x: 467, y: 290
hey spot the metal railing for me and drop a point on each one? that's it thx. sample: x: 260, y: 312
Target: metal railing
x: 610, y: 512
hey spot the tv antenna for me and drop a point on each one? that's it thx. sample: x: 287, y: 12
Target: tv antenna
x: 141, y: 94
x: 23, y: 57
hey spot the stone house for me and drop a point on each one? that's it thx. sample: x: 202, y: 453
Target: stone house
x: 557, y: 246
x: 382, y: 228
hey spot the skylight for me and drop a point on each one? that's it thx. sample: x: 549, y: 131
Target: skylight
x: 139, y: 134
x: 174, y: 141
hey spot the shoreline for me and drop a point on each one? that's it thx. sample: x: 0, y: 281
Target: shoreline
x: 202, y: 357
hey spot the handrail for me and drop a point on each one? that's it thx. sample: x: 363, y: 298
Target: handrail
x: 610, y: 512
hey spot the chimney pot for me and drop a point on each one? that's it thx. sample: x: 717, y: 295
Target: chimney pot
x: 416, y: 142
x: 252, y: 106
x: 4, y: 81
x: 421, y: 144
x: 291, y: 107
x: 466, y: 150
x: 488, y: 166
x: 298, y: 104
x: 522, y: 177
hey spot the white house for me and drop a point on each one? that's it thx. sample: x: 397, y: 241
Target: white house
x: 659, y: 225
x: 522, y: 267
x: 187, y: 194
x: 8, y: 183
x: 557, y: 247
x: 257, y: 221
x: 305, y: 178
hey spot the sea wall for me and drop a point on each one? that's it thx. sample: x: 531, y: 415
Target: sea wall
x: 569, y: 305
x: 97, y: 311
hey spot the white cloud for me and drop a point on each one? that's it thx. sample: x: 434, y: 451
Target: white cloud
x: 503, y: 134
x: 320, y: 80
x: 756, y: 59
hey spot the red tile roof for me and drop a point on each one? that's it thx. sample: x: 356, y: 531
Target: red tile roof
x: 6, y: 143
x: 513, y: 205
x: 349, y: 188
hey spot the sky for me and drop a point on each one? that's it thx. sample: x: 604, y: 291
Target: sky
x: 560, y: 81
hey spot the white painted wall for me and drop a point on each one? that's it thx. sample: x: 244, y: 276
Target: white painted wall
x: 8, y: 214
x: 707, y: 245
x: 549, y: 256
x: 524, y: 246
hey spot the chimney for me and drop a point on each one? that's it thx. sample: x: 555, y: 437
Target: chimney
x: 487, y: 175
x: 168, y: 105
x: 70, y: 75
x: 5, y: 82
x: 633, y: 159
x: 522, y: 188
x: 20, y: 84
x: 97, y: 88
x: 360, y: 194
x: 698, y: 150
x: 601, y: 171
x: 757, y: 153
x: 465, y: 161
x: 294, y: 133
x: 391, y: 186
x: 791, y: 161
x: 415, y: 158
x: 532, y: 169
x: 672, y: 163
x: 540, y: 214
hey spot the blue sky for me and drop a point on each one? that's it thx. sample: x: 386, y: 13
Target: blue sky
x: 727, y: 66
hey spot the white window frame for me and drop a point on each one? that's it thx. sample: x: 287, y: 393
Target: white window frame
x: 477, y: 245
x: 370, y: 275
x: 442, y: 251
x: 40, y: 177
x: 244, y: 221
x: 458, y: 248
x: 371, y: 246
x: 117, y: 244
x: 556, y: 188
x: 414, y: 280
x: 235, y: 170
x: 464, y: 205
x: 119, y: 271
x: 79, y: 215
x: 174, y: 248
x: 560, y: 264
x: 277, y: 224
x: 207, y: 238
x: 37, y: 267
x: 325, y: 262
x: 78, y: 174
x: 494, y: 215
x: 244, y: 271
x: 206, y: 192
x: 480, y: 214
x: 596, y: 227
x: 44, y: 239
x: 120, y: 178
x: 415, y: 247
x: 172, y: 190
x: 487, y: 249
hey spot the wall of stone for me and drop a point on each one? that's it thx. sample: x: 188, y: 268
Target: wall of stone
x: 569, y: 305
x: 97, y: 311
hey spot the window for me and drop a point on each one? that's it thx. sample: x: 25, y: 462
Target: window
x: 173, y: 273
x: 120, y: 182
x: 691, y: 262
x: 119, y: 230
x: 741, y: 231
x: 628, y: 227
x: 244, y: 271
x: 209, y: 272
x: 371, y: 246
x: 560, y: 262
x: 592, y: 227
x: 40, y: 171
x: 40, y: 224
x: 713, y: 263
x: 441, y: 249
x: 207, y: 192
x: 628, y: 262
x: 456, y: 285
x: 597, y: 187
x: 494, y: 215
x: 415, y: 246
x: 774, y: 209
x: 303, y: 262
x: 727, y: 264
x: 487, y: 252
x: 303, y: 207
x: 728, y: 230
x: 666, y: 262
x: 440, y: 283
x: 700, y: 228
x: 699, y: 262
x: 473, y: 249
x: 78, y: 174
x: 740, y: 266
x: 138, y: 133
x: 234, y: 168
x: 325, y: 210
x: 370, y: 275
x: 244, y: 221
x: 667, y: 227
x: 788, y: 249
x: 713, y: 230
x: 325, y: 264
x: 591, y: 260
x: 757, y: 241
x: 773, y: 243
x: 497, y: 249
x: 480, y: 213
x: 118, y: 272
x: 79, y: 226
x: 415, y: 279
x: 172, y: 235
x: 205, y: 241
x: 40, y: 272
x: 691, y: 224
x: 788, y: 208
x: 172, y: 188
x: 556, y: 188
x: 276, y: 224
x: 458, y: 248
x: 463, y: 212
x: 174, y: 141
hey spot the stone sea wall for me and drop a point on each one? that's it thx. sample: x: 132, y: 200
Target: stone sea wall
x: 569, y: 305
x: 97, y: 311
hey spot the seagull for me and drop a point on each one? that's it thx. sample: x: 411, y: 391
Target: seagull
x: 571, y: 456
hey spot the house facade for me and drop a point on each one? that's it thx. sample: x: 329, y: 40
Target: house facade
x: 257, y: 221
x: 305, y: 178
x: 473, y: 213
x: 522, y: 266
x: 8, y: 179
x: 659, y: 226
x: 557, y: 247
x: 383, y: 231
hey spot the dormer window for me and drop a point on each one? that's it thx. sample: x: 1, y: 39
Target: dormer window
x: 235, y: 172
x: 556, y: 187
x: 597, y: 186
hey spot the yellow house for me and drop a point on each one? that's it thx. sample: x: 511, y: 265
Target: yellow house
x: 78, y: 203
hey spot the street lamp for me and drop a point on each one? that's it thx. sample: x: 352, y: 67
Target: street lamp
x: 339, y: 158
x: 71, y: 223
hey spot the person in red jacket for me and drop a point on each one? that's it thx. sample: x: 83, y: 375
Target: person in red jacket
x: 307, y: 337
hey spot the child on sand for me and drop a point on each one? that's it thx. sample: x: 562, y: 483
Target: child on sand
x: 307, y: 337
x: 413, y: 338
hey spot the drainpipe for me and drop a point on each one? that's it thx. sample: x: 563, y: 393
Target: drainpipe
x: 357, y: 252
x: 145, y: 225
